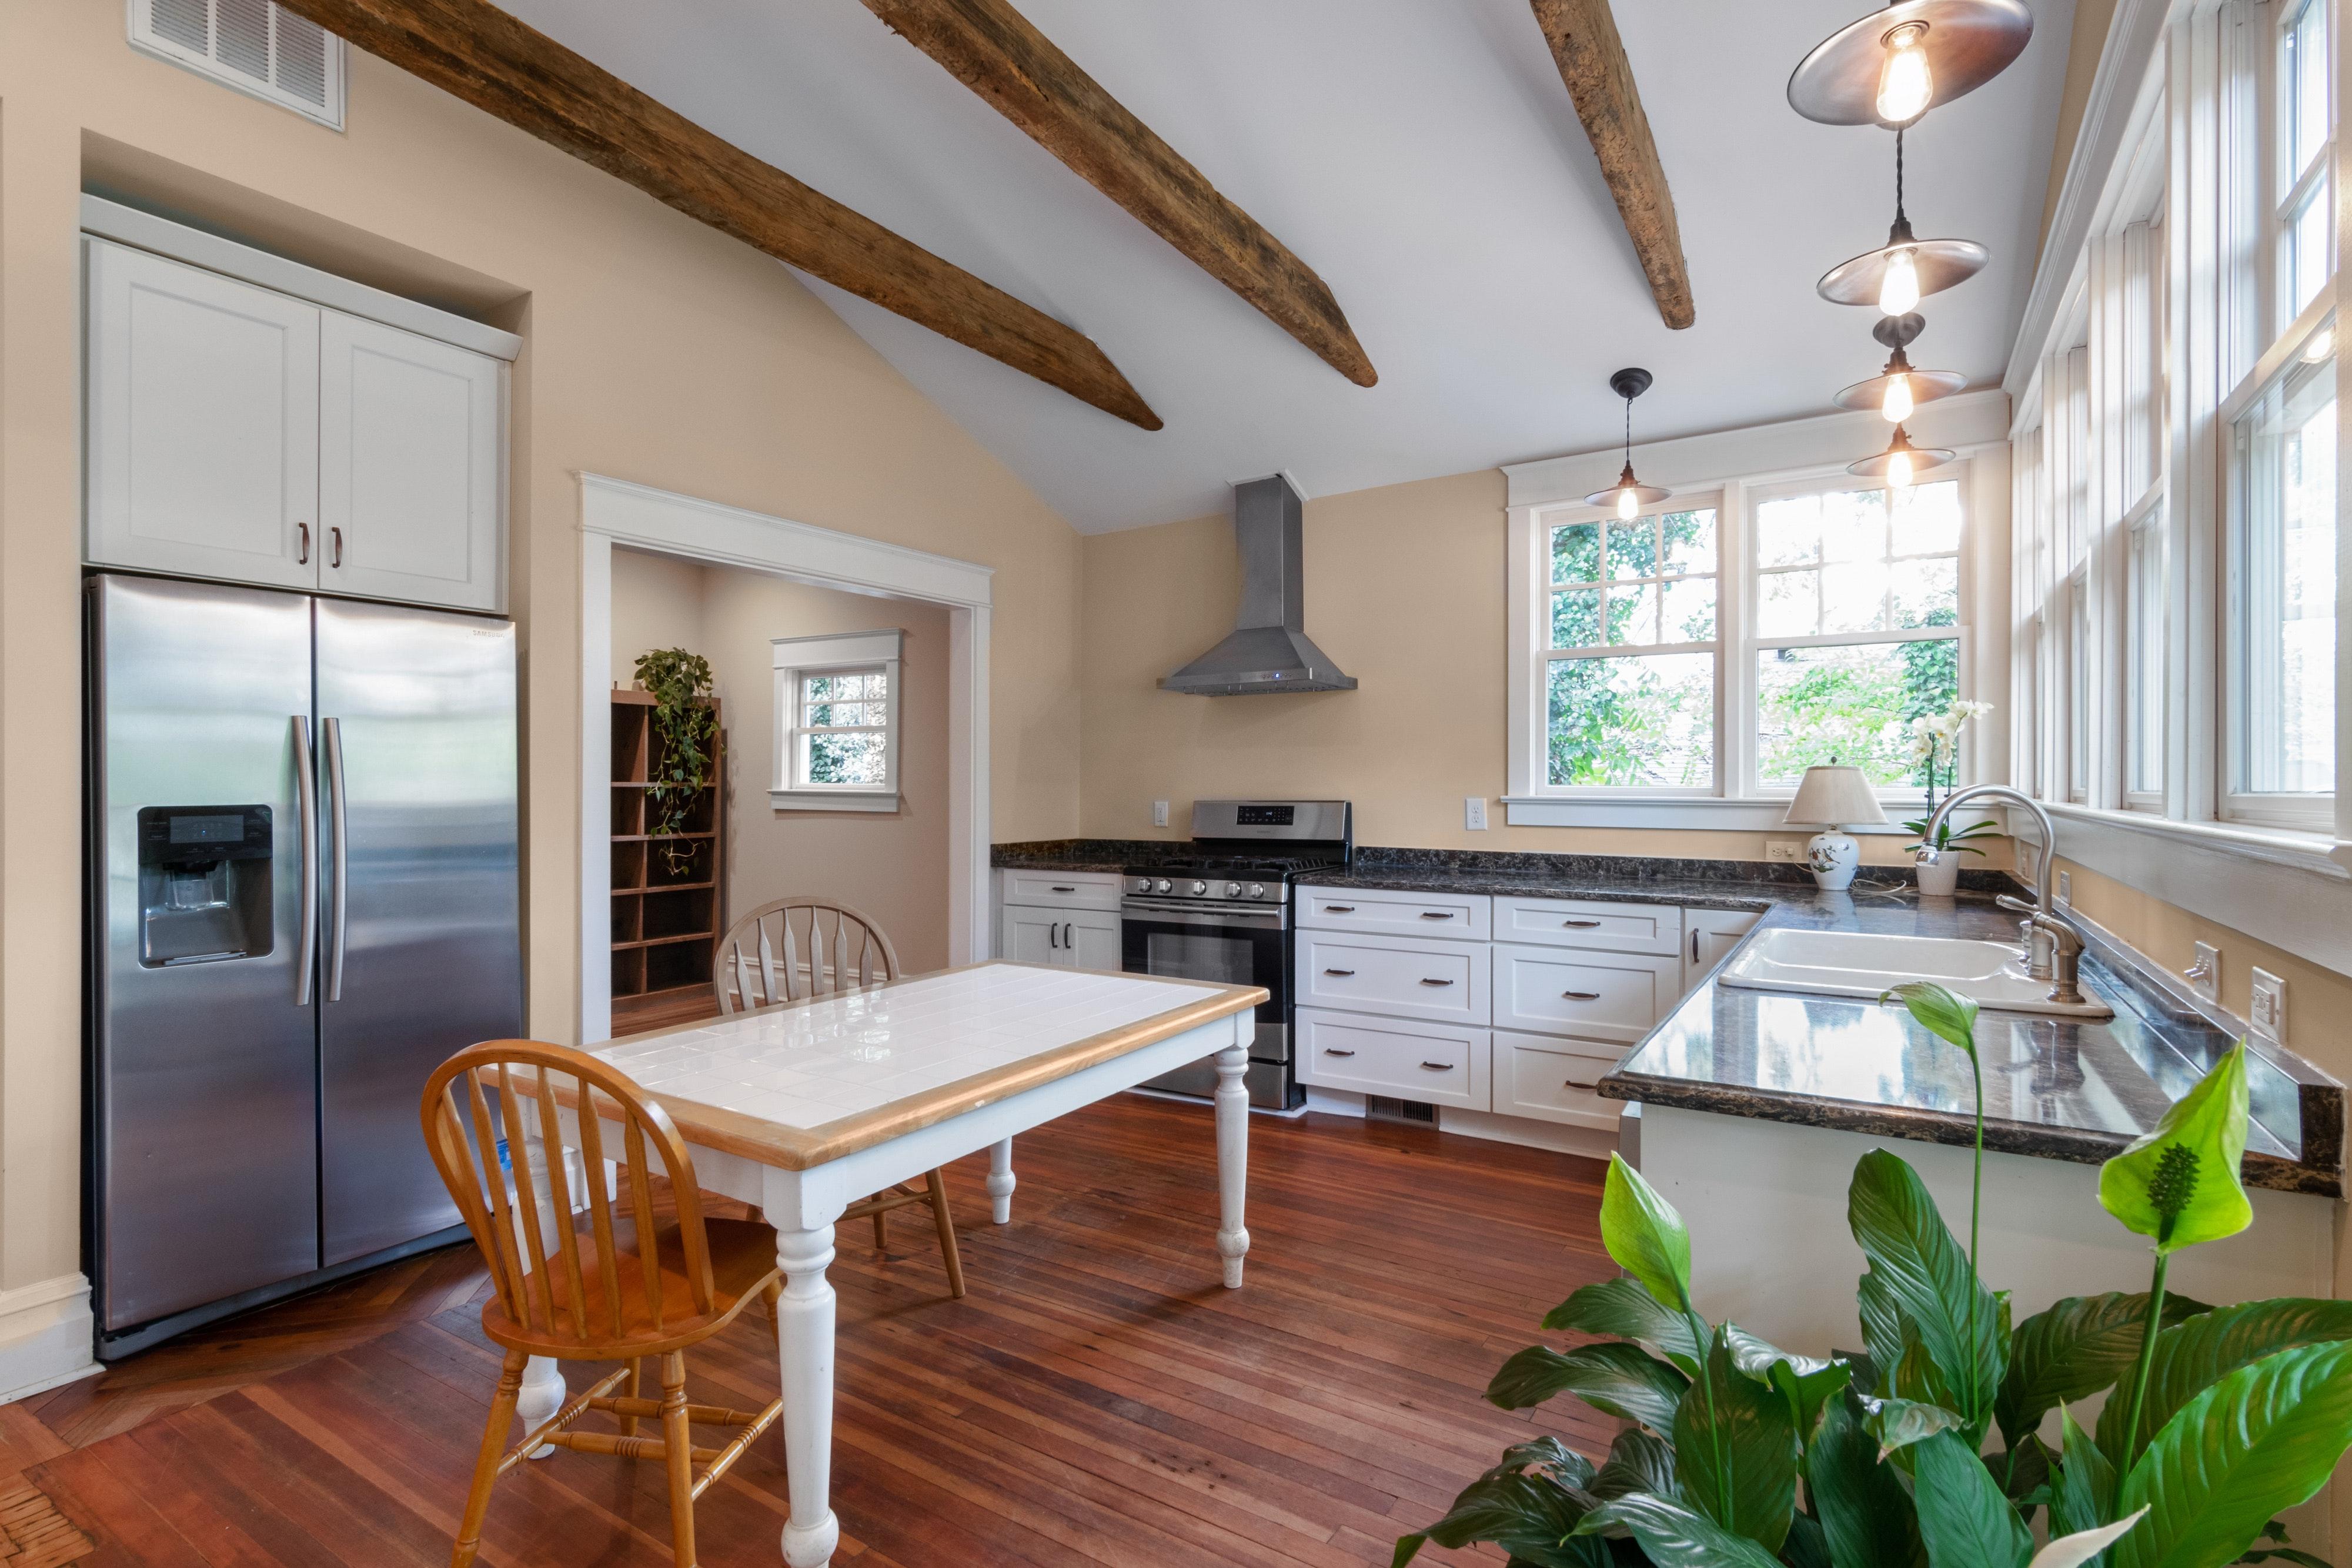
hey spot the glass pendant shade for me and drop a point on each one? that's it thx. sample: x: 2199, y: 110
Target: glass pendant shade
x: 1901, y: 463
x: 1896, y: 64
x: 1899, y: 274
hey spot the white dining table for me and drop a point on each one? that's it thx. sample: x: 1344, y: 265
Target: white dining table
x: 803, y: 1108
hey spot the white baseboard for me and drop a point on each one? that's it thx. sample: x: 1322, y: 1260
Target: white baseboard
x: 45, y: 1336
x: 1334, y: 1102
x: 1590, y: 1141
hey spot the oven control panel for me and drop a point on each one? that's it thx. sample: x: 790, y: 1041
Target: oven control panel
x: 1218, y: 889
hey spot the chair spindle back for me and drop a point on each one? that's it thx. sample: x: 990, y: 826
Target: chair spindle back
x: 530, y: 1239
x: 796, y: 948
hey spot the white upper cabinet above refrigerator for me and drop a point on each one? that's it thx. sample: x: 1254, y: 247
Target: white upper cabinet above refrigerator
x: 203, y: 435
x: 247, y: 435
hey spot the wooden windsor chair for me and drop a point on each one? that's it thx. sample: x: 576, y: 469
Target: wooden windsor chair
x: 798, y: 948
x: 615, y: 1283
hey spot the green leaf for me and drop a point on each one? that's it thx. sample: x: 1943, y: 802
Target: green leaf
x: 1644, y: 1234
x: 1963, y: 1518
x: 1899, y: 1423
x: 1676, y: 1535
x: 2074, y: 1551
x: 1805, y: 1382
x: 1736, y: 1452
x: 1532, y: 1518
x: 2263, y: 1439
x: 1946, y: 1014
x: 1882, y: 1330
x: 1864, y: 1509
x: 1624, y: 1307
x: 2179, y: 1182
x: 1638, y: 1462
x: 2023, y: 1474
x: 1550, y: 1455
x: 2199, y: 1353
x: 2080, y: 1345
x: 1807, y: 1546
x: 2083, y: 1495
x: 1622, y: 1379
x: 1924, y: 1272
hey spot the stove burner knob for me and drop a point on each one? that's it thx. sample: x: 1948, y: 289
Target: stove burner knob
x: 1232, y: 889
x: 1257, y: 890
x: 1199, y: 888
x: 1163, y: 885
x: 1143, y: 885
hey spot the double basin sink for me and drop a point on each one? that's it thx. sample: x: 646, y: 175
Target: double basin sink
x: 1864, y: 966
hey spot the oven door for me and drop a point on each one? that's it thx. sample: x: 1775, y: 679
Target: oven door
x: 1238, y: 947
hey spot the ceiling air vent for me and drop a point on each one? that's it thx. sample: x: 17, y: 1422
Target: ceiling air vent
x: 258, y: 47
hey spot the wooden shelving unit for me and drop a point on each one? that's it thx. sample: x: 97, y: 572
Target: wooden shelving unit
x: 665, y: 919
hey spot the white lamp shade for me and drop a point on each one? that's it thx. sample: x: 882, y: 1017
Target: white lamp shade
x: 1832, y: 796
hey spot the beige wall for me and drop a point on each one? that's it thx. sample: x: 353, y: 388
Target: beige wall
x: 892, y: 866
x: 1405, y: 590
x: 2086, y: 44
x: 659, y: 351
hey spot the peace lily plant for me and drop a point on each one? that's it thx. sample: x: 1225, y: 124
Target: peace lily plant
x: 1741, y: 1455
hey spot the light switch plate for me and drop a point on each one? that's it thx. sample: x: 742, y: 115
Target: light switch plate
x: 1159, y: 813
x: 1473, y: 812
x: 2267, y: 1016
x: 1790, y: 850
x: 2029, y: 862
x: 2204, y: 976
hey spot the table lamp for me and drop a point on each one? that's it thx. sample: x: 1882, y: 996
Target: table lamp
x: 1828, y: 797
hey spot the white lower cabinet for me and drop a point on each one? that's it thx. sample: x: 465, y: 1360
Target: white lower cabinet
x: 1712, y: 935
x: 1551, y: 1078
x: 1069, y: 919
x: 1614, y: 997
x: 1408, y: 1059
x: 1397, y: 977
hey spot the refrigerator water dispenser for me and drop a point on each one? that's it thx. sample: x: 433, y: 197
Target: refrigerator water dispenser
x: 203, y: 884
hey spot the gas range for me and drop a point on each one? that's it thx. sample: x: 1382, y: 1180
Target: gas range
x: 1260, y: 880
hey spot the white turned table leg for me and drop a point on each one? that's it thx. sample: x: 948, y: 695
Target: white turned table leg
x: 542, y: 1395
x: 1000, y: 1181
x: 804, y: 1359
x: 543, y: 1392
x: 1232, y: 1160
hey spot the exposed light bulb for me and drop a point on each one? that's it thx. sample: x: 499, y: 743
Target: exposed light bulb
x: 1629, y: 505
x: 1898, y: 470
x: 1897, y: 406
x: 1898, y: 290
x: 1905, y: 85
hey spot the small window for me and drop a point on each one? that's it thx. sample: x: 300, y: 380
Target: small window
x: 2145, y: 662
x: 837, y: 722
x: 1630, y: 679
x: 2282, y: 632
x: 2306, y: 133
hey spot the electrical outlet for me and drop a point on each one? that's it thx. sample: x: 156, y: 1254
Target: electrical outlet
x: 1791, y: 851
x: 2065, y: 888
x: 1159, y: 813
x: 2029, y: 862
x: 1473, y: 812
x: 2268, y: 1015
x: 2204, y: 976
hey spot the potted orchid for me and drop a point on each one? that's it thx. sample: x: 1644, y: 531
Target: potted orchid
x: 1936, y: 752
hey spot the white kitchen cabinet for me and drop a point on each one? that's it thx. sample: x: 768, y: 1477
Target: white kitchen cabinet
x: 1396, y: 976
x: 237, y: 433
x: 201, y: 423
x: 1458, y: 915
x: 411, y: 433
x: 1410, y: 1059
x: 1059, y: 889
x: 1549, y: 1079
x: 1030, y: 936
x: 1595, y: 995
x: 1709, y: 937
x: 1090, y: 941
x: 1066, y: 938
x: 1589, y: 922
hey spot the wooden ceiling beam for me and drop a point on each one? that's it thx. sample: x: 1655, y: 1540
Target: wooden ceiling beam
x: 480, y: 54
x: 1591, y: 59
x: 995, y: 51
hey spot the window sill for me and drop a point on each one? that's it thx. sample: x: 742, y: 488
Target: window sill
x: 2316, y: 852
x: 833, y: 800
x: 1709, y: 814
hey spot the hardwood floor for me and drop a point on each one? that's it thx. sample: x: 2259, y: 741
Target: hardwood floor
x: 1097, y: 1398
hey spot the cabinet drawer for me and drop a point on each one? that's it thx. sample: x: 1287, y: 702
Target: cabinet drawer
x: 1589, y: 922
x: 1060, y: 889
x: 1551, y: 1079
x: 1612, y: 997
x: 1398, y: 977
x: 1461, y: 915
x: 1439, y: 1064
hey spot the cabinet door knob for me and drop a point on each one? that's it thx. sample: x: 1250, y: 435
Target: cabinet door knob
x: 1437, y: 982
x: 1335, y: 1051
x: 1581, y: 924
x: 1581, y: 996
x: 1439, y: 1066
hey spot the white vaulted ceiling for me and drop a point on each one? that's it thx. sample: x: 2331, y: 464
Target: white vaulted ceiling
x: 1423, y: 157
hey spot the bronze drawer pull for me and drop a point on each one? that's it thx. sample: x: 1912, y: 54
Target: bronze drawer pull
x: 1066, y: 890
x: 1439, y: 1066
x: 1581, y: 924
x: 1437, y: 915
x: 1437, y: 982
x: 1339, y: 909
x: 1343, y: 974
x: 1581, y: 996
x: 1335, y: 1051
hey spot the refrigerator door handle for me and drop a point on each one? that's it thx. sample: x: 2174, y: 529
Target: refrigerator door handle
x: 333, y: 729
x: 306, y: 796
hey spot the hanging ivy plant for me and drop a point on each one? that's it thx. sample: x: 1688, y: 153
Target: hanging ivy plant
x: 679, y: 765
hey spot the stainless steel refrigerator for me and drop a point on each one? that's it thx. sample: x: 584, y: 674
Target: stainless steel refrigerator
x: 304, y: 896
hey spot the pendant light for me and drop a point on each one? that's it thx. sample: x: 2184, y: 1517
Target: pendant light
x: 1628, y: 495
x: 1893, y: 65
x: 1896, y: 391
x: 1901, y: 463
x: 1898, y: 274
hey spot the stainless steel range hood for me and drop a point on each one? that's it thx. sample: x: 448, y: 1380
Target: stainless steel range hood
x: 1269, y: 650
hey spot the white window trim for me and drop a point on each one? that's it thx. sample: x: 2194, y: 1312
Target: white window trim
x: 796, y: 658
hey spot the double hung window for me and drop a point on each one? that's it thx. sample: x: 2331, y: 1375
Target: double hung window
x: 1629, y: 674
x: 837, y: 700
